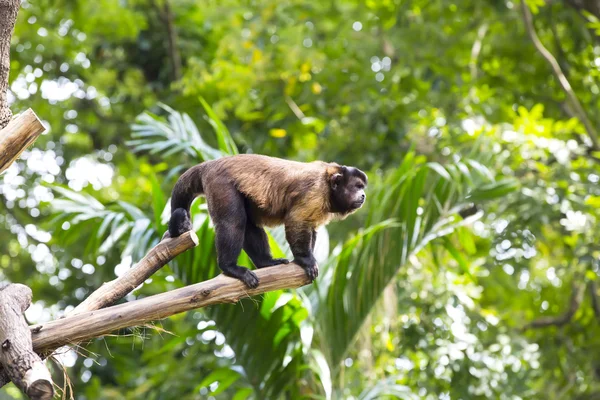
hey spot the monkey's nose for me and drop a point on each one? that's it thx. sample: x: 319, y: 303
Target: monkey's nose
x: 363, y: 197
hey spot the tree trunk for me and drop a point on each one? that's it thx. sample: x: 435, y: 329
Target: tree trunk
x: 8, y: 16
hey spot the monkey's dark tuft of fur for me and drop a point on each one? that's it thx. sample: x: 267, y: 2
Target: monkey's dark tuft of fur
x: 179, y: 223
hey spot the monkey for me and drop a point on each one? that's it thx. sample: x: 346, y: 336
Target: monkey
x: 248, y: 192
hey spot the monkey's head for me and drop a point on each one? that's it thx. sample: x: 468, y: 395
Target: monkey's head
x: 347, y: 190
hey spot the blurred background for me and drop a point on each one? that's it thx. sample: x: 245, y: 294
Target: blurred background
x: 469, y: 274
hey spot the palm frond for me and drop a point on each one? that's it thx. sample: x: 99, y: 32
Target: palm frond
x: 177, y: 135
x: 388, y: 389
x: 409, y: 207
x: 104, y: 226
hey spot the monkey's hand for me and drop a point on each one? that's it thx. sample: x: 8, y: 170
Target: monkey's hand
x: 310, y: 266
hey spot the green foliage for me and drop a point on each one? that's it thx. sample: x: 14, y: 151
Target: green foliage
x: 481, y: 212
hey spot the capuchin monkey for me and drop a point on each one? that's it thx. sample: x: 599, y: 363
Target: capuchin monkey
x: 247, y: 192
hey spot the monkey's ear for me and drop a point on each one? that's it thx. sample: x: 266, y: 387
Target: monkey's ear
x: 336, y: 179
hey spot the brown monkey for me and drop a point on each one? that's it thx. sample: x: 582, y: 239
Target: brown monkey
x: 246, y: 192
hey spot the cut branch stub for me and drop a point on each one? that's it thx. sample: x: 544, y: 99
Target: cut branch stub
x: 21, y: 364
x: 158, y: 256
x: 19, y: 134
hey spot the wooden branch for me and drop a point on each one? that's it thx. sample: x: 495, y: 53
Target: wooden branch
x: 159, y: 255
x: 21, y: 364
x: 560, y: 320
x: 578, y: 110
x: 19, y: 134
x: 222, y: 289
x: 8, y: 10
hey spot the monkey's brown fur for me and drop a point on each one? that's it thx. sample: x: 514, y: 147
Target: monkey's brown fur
x: 246, y: 192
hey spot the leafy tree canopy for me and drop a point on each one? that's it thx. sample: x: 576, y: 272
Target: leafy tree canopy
x: 470, y: 273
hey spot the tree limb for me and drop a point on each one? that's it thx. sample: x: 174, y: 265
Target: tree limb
x: 577, y: 109
x: 159, y: 255
x: 560, y: 320
x: 222, y: 289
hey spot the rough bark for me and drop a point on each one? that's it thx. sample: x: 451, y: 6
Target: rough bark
x: 21, y: 364
x: 8, y: 17
x: 222, y: 289
x: 162, y: 253
x: 19, y: 134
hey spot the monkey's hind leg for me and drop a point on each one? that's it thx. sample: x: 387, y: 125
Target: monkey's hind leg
x: 256, y: 245
x: 226, y: 208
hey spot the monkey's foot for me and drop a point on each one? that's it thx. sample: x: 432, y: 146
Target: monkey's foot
x: 273, y: 261
x: 311, y: 269
x: 250, y: 279
x: 243, y: 274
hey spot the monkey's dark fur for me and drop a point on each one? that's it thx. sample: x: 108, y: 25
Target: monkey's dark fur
x: 246, y: 192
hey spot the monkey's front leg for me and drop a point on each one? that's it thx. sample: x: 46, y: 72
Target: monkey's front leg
x: 300, y: 239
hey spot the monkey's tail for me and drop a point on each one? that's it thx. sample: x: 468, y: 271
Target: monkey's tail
x: 187, y: 188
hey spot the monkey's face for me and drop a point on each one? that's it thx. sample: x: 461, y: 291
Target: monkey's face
x: 348, y: 190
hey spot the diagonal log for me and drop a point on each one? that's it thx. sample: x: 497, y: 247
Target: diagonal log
x: 159, y: 255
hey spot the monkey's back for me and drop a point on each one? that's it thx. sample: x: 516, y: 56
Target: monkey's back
x: 277, y: 189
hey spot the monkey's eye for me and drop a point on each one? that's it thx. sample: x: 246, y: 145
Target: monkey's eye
x: 360, y: 186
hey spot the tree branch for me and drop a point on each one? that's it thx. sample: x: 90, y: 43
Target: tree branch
x: 159, y: 255
x: 560, y: 320
x: 222, y: 289
x: 19, y: 134
x: 577, y: 109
